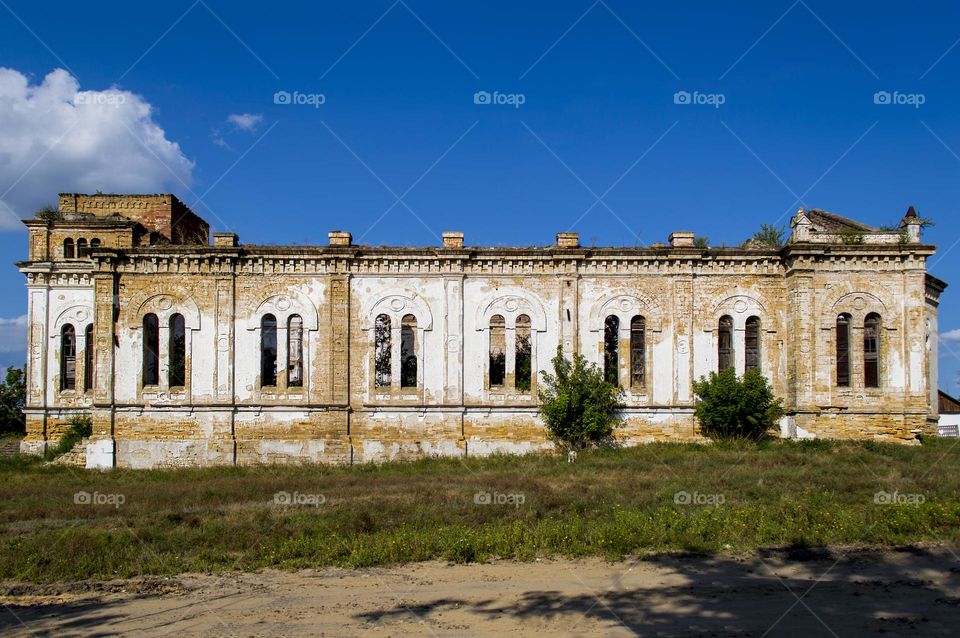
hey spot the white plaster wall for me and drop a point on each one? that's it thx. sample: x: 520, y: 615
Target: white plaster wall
x: 510, y: 300
x: 72, y: 305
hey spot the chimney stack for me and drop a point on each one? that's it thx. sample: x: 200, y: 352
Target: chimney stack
x: 452, y: 239
x: 681, y: 239
x: 340, y: 238
x: 568, y: 240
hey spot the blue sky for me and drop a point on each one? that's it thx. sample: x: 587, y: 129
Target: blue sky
x: 399, y: 151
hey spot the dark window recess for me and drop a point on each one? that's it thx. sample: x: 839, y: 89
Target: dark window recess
x: 151, y: 350
x: 382, y: 352
x: 523, y: 362
x: 725, y: 343
x: 498, y: 351
x: 638, y: 337
x: 177, y: 372
x: 752, y: 344
x: 88, y: 372
x: 68, y: 358
x: 843, y: 350
x: 871, y: 351
x: 611, y: 350
x: 68, y: 248
x: 408, y: 352
x: 268, y: 351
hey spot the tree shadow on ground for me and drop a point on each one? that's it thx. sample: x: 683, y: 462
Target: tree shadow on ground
x: 797, y: 591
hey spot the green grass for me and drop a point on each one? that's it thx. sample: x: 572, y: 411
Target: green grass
x: 610, y: 503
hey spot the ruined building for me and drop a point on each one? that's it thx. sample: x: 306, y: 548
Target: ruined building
x: 187, y: 353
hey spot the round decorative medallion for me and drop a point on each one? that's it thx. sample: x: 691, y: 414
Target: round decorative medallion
x: 626, y: 304
x: 283, y: 303
x: 804, y: 345
x: 453, y: 345
x: 915, y: 345
x: 223, y: 344
x: 682, y: 345
x: 165, y: 303
x: 859, y: 303
x: 740, y: 306
x: 82, y: 315
x: 397, y: 304
x: 511, y: 304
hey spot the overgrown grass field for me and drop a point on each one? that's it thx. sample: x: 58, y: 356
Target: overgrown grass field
x: 725, y: 497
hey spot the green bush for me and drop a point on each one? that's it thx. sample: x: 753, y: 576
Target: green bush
x: 81, y: 426
x: 578, y: 405
x: 730, y: 407
x: 13, y: 393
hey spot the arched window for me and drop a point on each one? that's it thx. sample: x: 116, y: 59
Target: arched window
x: 498, y: 351
x: 68, y: 358
x: 82, y: 248
x: 751, y: 344
x: 94, y: 243
x: 268, y: 351
x: 725, y: 343
x: 611, y: 350
x: 871, y: 351
x: 843, y: 350
x: 177, y: 371
x: 295, y: 352
x: 88, y: 371
x: 408, y: 352
x: 382, y: 352
x: 638, y: 351
x: 68, y: 248
x: 523, y: 362
x: 151, y: 350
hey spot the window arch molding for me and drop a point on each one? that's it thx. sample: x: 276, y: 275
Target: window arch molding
x: 510, y: 306
x: 397, y: 304
x: 625, y: 308
x: 741, y: 305
x: 857, y: 304
x: 165, y: 306
x: 283, y: 306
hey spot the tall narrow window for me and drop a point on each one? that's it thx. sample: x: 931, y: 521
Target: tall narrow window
x: 68, y: 248
x: 752, y: 344
x: 382, y: 352
x: 295, y: 352
x: 843, y: 350
x: 408, y: 352
x: 268, y: 351
x: 871, y: 351
x: 611, y: 350
x: 151, y: 350
x: 94, y: 243
x: 523, y: 361
x: 725, y: 343
x: 68, y: 358
x: 638, y: 351
x: 177, y: 372
x: 498, y: 351
x: 82, y: 248
x: 88, y: 371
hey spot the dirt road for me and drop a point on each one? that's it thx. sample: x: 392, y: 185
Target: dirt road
x: 803, y: 593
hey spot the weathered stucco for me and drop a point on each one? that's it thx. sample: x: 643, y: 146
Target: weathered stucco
x: 223, y: 414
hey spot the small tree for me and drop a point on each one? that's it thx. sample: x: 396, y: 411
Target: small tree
x: 769, y: 236
x: 701, y: 242
x: 729, y: 407
x: 13, y: 394
x: 578, y: 405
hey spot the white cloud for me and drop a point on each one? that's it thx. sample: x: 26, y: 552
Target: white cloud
x: 13, y: 338
x: 951, y: 336
x: 245, y: 121
x: 56, y: 138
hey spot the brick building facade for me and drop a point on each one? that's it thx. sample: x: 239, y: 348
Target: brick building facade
x: 191, y: 353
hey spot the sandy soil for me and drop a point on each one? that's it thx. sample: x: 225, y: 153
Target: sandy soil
x: 822, y: 593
